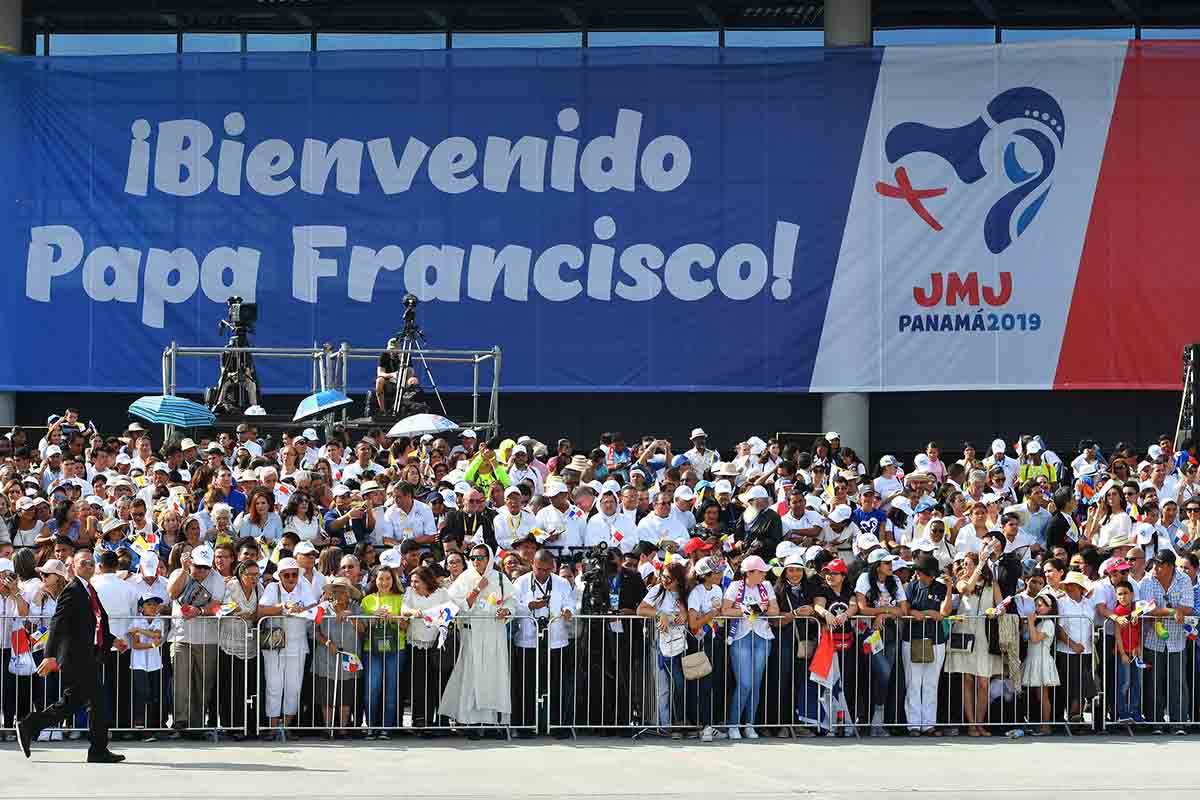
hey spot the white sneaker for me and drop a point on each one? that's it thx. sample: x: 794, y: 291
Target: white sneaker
x: 707, y: 734
x: 751, y: 733
x: 734, y: 733
x: 56, y: 736
x: 44, y: 736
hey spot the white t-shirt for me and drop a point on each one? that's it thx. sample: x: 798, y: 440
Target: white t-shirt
x: 150, y: 659
x: 673, y: 641
x: 755, y: 602
x: 1117, y: 525
x: 885, y: 600
x: 509, y: 528
x: 703, y: 601
x: 885, y: 487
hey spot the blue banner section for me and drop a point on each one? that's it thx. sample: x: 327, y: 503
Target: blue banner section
x: 629, y: 219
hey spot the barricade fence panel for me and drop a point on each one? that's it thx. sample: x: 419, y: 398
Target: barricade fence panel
x: 376, y: 675
x: 160, y: 678
x: 606, y: 674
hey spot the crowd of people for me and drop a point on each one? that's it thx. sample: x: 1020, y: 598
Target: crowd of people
x: 456, y: 585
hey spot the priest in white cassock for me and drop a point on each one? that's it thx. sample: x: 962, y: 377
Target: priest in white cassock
x: 479, y: 690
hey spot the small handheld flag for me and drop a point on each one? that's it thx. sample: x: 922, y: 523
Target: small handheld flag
x: 314, y: 614
x: 350, y: 662
x: 38, y: 639
x: 873, y: 644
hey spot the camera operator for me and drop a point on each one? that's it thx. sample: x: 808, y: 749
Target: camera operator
x: 615, y: 647
x: 388, y: 372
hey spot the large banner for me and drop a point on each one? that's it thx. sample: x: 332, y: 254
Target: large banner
x: 650, y: 219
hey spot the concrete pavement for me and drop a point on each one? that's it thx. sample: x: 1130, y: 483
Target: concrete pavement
x: 598, y: 769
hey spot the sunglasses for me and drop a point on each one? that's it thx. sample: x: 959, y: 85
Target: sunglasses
x: 479, y: 558
x: 1193, y: 510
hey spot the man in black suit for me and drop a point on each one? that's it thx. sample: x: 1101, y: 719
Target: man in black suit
x: 78, y: 640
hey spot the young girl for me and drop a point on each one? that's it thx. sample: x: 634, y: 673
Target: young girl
x: 1039, y: 670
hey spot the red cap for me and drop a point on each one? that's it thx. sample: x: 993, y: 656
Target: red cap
x: 837, y: 565
x: 695, y: 545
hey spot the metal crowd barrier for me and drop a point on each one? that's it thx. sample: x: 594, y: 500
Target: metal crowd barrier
x: 196, y: 689
x: 374, y: 680
x: 614, y: 676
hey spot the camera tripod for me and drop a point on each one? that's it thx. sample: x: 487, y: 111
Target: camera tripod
x: 409, y: 342
x: 238, y: 388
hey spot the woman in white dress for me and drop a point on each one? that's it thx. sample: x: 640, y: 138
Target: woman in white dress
x: 479, y: 691
x: 967, y: 651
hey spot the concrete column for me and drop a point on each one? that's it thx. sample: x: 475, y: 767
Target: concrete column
x: 849, y: 413
x: 10, y: 26
x: 847, y: 23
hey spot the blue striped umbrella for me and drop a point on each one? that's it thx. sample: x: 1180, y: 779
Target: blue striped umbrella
x: 320, y: 403
x: 165, y: 409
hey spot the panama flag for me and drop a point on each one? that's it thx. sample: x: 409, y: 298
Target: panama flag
x: 350, y: 662
x: 826, y: 671
x: 314, y: 614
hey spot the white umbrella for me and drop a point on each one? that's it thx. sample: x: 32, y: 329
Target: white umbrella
x: 421, y: 424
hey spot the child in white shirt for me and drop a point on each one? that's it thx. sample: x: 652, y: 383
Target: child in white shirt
x: 145, y: 662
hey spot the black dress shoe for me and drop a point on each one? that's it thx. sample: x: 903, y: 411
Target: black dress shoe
x: 24, y: 737
x: 107, y: 757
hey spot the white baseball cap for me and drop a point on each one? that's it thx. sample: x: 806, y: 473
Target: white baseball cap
x: 53, y: 450
x: 554, y: 489
x: 286, y: 564
x: 304, y: 548
x: 310, y: 434
x: 684, y: 492
x: 148, y: 565
x: 511, y: 491
x: 1033, y: 447
x: 520, y: 449
x: 469, y: 434
x: 840, y: 514
x: 831, y: 435
x: 880, y: 555
x: 722, y: 487
x: 998, y: 446
x: 55, y: 567
x: 202, y: 556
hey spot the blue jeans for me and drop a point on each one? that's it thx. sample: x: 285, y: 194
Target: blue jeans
x: 383, y: 680
x: 670, y: 690
x: 749, y: 658
x: 882, y: 664
x: 1129, y: 690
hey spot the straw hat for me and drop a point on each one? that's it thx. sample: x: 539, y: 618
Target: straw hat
x: 342, y: 583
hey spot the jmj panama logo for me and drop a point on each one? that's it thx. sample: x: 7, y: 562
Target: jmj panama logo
x: 1029, y: 121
